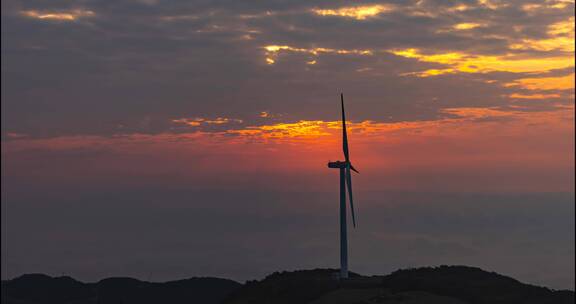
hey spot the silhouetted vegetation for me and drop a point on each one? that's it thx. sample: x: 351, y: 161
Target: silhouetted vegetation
x: 444, y: 284
x: 288, y: 287
x: 465, y: 284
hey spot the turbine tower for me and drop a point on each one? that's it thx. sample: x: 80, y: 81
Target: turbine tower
x: 345, y: 183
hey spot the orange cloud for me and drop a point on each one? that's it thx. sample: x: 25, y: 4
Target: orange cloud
x: 195, y: 122
x: 534, y: 96
x: 319, y: 129
x: 473, y: 148
x: 545, y: 83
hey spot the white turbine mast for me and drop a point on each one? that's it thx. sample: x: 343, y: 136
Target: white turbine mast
x: 345, y: 183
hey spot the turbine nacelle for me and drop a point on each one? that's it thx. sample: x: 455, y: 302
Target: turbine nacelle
x: 341, y: 165
x: 337, y: 165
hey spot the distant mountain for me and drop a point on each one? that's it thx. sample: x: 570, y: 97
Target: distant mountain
x: 441, y: 285
x: 42, y: 289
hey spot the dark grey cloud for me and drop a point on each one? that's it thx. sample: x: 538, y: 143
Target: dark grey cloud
x: 138, y: 63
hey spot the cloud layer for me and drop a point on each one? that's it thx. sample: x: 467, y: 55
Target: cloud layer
x: 99, y: 68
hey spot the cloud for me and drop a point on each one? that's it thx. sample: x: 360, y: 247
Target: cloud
x: 71, y: 15
x: 355, y: 12
x: 470, y: 63
x: 546, y: 83
x: 466, y: 26
x: 534, y: 96
x: 272, y: 52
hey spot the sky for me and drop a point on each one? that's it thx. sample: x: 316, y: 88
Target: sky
x: 168, y: 139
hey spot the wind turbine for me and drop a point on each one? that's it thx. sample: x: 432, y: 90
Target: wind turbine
x: 345, y: 183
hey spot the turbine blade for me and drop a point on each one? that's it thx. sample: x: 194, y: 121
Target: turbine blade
x: 354, y: 169
x: 344, y: 134
x: 349, y: 186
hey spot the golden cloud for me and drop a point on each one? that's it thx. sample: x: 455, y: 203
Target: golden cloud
x: 272, y: 52
x: 469, y: 63
x: 357, y: 12
x: 535, y: 7
x: 466, y: 26
x: 493, y: 5
x: 561, y: 38
x: 71, y: 15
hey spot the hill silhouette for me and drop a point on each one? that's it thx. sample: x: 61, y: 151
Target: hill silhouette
x: 444, y: 284
x: 42, y: 289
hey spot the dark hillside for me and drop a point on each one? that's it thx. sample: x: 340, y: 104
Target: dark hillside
x: 428, y: 285
x: 473, y: 285
x: 40, y: 288
x: 445, y: 284
x: 288, y: 287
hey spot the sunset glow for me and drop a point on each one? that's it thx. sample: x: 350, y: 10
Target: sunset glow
x: 490, y: 135
x: 199, y: 121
